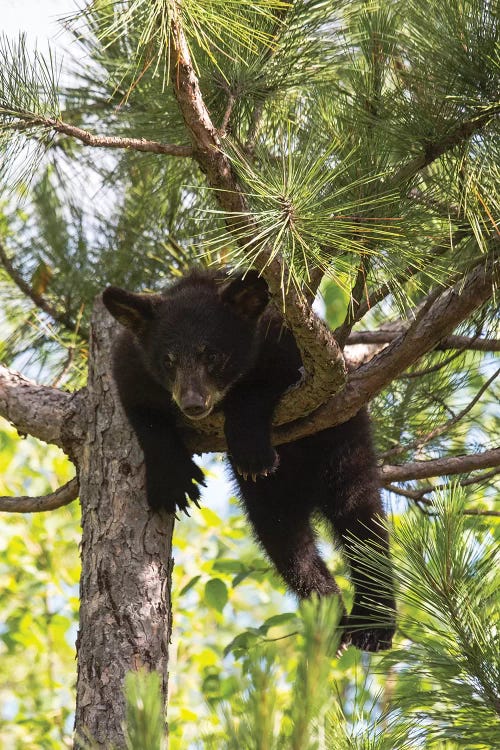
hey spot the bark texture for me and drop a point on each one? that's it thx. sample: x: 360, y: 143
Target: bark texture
x: 47, y: 413
x: 125, y: 613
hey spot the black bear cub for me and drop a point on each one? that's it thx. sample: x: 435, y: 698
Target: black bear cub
x: 212, y: 341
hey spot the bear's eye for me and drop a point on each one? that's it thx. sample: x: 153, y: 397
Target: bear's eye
x: 170, y: 359
x: 211, y: 359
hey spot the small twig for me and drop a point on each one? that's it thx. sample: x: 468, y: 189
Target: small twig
x: 65, y: 369
x: 253, y: 130
x: 418, y: 496
x: 62, y: 496
x: 417, y: 444
x: 342, y: 332
x: 231, y: 99
x: 430, y: 370
x: 59, y: 316
x: 411, y: 270
x: 479, y: 512
x: 433, y: 150
x: 442, y: 403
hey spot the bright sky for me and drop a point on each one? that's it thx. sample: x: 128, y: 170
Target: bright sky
x: 38, y: 18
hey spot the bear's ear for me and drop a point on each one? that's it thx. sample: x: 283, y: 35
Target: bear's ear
x: 247, y: 293
x: 134, y: 311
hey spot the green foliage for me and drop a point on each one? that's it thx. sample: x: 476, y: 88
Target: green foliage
x: 307, y: 203
x: 39, y: 574
x: 438, y: 688
x: 28, y: 87
x: 448, y: 571
x: 145, y: 717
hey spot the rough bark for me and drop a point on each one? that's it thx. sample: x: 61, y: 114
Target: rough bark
x: 125, y: 614
x: 47, y: 413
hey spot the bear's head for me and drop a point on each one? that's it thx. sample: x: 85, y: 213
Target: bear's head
x: 197, y: 338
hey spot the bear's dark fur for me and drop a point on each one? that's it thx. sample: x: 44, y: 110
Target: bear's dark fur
x: 213, y: 341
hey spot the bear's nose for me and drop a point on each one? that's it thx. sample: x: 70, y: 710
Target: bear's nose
x: 195, y: 405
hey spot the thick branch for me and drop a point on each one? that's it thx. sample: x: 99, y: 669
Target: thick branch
x: 434, y: 323
x: 44, y: 412
x: 322, y: 358
x: 106, y: 141
x: 62, y: 496
x: 440, y: 466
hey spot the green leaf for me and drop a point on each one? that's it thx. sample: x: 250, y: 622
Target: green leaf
x: 216, y: 594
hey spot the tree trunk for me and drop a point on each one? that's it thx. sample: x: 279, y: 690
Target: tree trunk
x: 125, y: 611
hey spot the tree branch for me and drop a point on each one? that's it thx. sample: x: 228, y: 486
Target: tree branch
x: 231, y: 100
x: 440, y: 467
x: 411, y: 270
x: 321, y: 356
x: 59, y: 316
x: 419, y: 496
x: 103, y: 141
x: 442, y: 315
x: 434, y: 149
x: 62, y: 496
x: 44, y: 412
x: 342, y: 332
x: 420, y: 500
x: 462, y: 343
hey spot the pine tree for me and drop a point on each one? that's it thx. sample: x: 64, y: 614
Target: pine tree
x: 350, y: 148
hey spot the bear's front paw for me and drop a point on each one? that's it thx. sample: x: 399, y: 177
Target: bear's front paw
x: 255, y: 463
x: 174, y: 489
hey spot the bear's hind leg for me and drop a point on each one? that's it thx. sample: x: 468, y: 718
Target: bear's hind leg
x: 370, y: 625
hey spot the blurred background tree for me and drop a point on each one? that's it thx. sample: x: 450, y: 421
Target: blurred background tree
x: 351, y: 147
